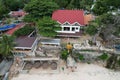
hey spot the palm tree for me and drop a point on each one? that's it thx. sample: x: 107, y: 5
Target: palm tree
x: 6, y: 45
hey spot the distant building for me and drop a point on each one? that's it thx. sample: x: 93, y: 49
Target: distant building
x: 19, y: 13
x: 88, y: 18
x: 71, y: 21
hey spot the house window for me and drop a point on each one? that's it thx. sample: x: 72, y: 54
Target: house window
x: 66, y: 28
x: 76, y: 28
x: 76, y: 24
x: 66, y: 23
x: 73, y: 29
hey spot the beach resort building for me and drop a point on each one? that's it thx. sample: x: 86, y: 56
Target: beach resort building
x: 71, y: 21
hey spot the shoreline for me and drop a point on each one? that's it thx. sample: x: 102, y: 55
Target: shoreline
x: 83, y: 72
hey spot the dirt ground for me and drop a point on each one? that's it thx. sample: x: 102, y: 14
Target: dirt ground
x: 75, y: 40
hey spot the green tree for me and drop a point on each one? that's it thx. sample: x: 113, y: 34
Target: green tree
x: 86, y: 4
x: 104, y: 6
x: 6, y: 45
x: 62, y: 3
x: 104, y: 56
x: 24, y: 31
x: 48, y: 27
x: 3, y: 10
x: 91, y: 30
x: 39, y: 8
x: 29, y: 18
x: 94, y: 28
x: 64, y: 54
x: 14, y: 4
x: 100, y: 7
x: 74, y: 4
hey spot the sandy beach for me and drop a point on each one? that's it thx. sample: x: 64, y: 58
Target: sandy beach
x: 83, y: 72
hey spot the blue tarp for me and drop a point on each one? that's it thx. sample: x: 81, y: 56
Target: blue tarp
x: 6, y: 27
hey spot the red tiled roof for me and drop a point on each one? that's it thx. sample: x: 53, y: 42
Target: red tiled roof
x: 11, y: 31
x: 70, y: 16
x: 88, y: 18
x: 18, y: 13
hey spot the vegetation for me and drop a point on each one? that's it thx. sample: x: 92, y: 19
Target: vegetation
x: 15, y: 4
x: 39, y: 8
x: 48, y: 27
x: 104, y: 56
x: 104, y: 6
x: 3, y: 10
x: 106, y: 25
x: 91, y: 30
x: 29, y: 18
x: 24, y: 31
x: 64, y: 54
x: 74, y: 4
x: 6, y: 6
x: 113, y: 62
x: 77, y: 56
x: 81, y: 57
x: 6, y: 46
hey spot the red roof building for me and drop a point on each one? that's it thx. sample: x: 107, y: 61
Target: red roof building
x: 70, y: 16
x: 88, y: 18
x: 71, y: 22
x: 11, y: 31
x: 20, y: 13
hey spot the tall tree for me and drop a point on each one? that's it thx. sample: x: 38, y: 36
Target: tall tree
x: 104, y: 6
x: 48, y: 27
x: 94, y: 29
x: 6, y: 45
x: 39, y: 8
x: 3, y: 10
x: 74, y: 4
x: 13, y: 5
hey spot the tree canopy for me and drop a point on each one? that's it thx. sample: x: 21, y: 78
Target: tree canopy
x: 48, y: 27
x: 14, y: 4
x: 3, y: 10
x: 104, y: 6
x: 39, y: 8
x: 74, y: 4
x: 24, y: 31
x: 91, y: 30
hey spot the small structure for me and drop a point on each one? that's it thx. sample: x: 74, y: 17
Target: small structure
x: 25, y: 46
x: 50, y: 43
x: 19, y: 13
x: 88, y: 18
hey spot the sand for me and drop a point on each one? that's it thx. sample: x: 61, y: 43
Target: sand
x: 83, y: 72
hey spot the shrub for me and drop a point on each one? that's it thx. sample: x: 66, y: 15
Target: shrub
x: 24, y: 31
x: 81, y: 57
x: 64, y: 54
x: 104, y: 56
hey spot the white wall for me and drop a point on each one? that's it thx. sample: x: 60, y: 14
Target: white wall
x: 77, y: 29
